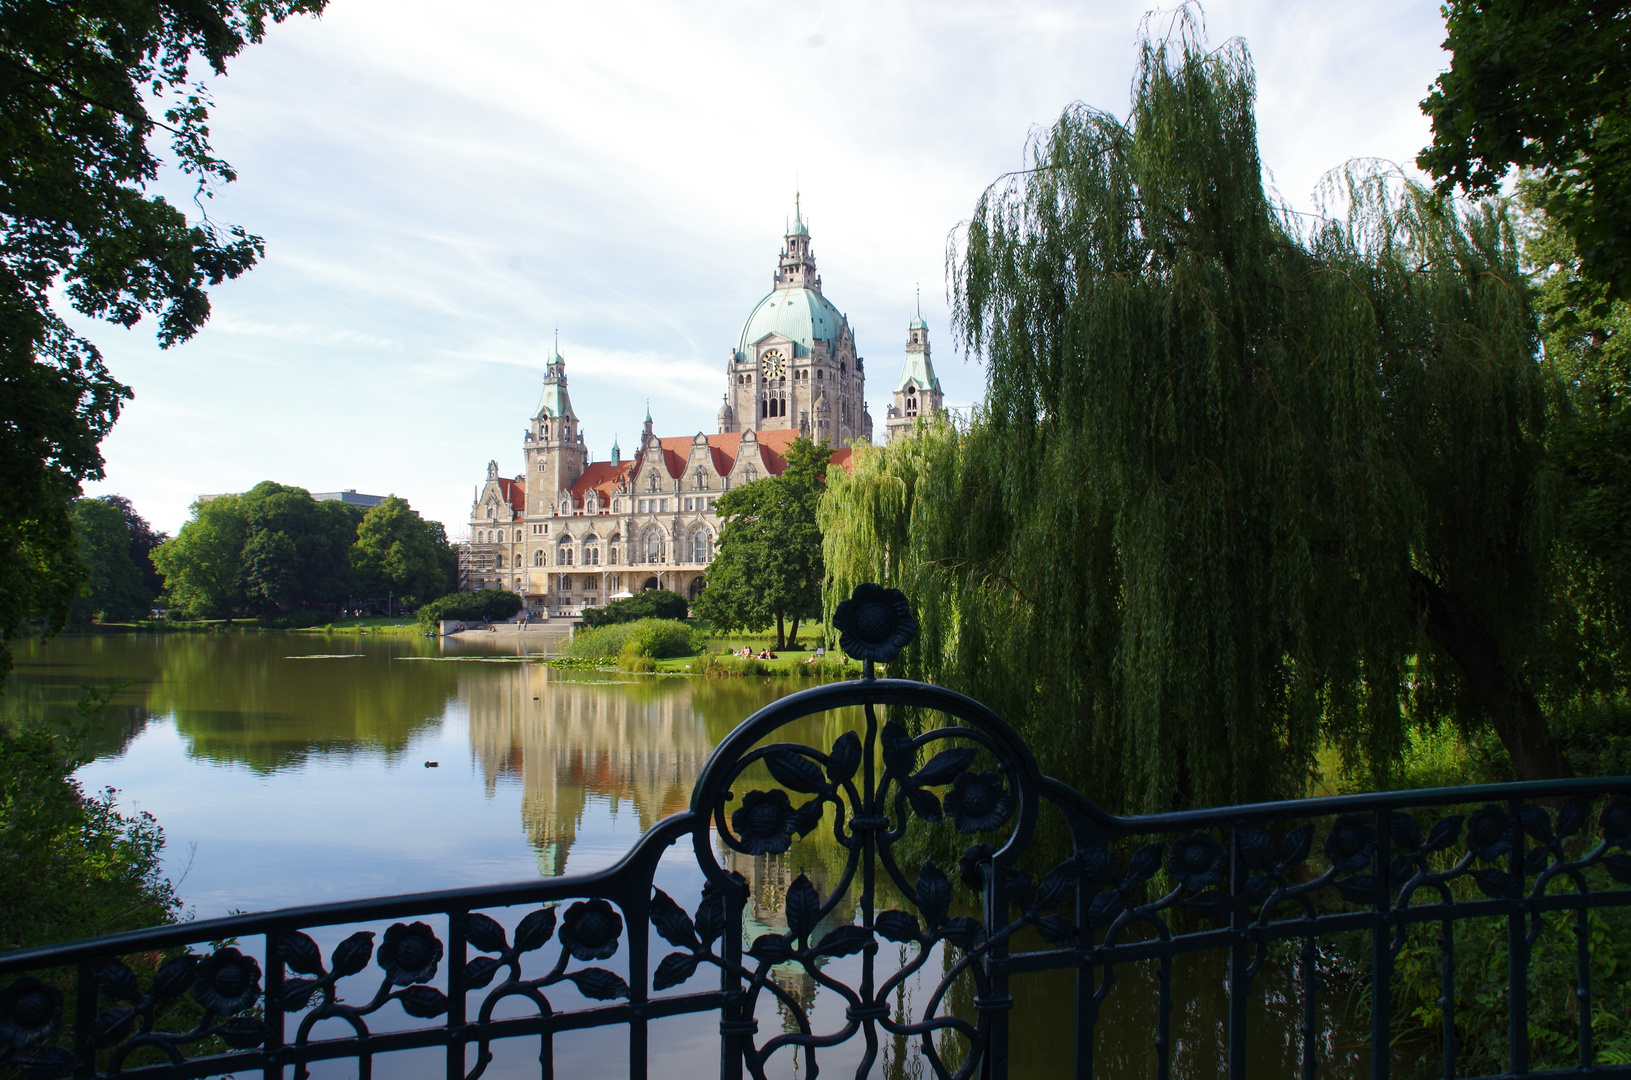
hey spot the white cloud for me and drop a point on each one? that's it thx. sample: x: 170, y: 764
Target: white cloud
x: 440, y: 186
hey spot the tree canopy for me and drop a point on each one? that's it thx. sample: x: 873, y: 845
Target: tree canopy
x: 275, y: 548
x: 114, y: 589
x: 1241, y: 485
x: 399, y: 552
x: 767, y: 569
x: 648, y: 604
x: 1543, y: 85
x: 84, y: 86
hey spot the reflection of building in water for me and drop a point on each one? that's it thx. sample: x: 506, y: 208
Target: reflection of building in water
x: 569, y: 741
x: 769, y: 877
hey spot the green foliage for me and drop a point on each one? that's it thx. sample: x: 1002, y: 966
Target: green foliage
x: 275, y: 548
x: 272, y: 548
x: 114, y: 589
x: 481, y: 605
x: 143, y: 539
x: 71, y: 866
x: 656, y: 639
x: 397, y: 550
x: 80, y: 84
x: 1481, y: 988
x: 650, y: 604
x: 1588, y: 627
x: 768, y: 567
x: 1543, y: 85
x: 298, y: 620
x: 1229, y: 470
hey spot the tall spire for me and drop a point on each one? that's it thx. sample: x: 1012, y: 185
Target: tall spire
x: 797, y: 269
x: 798, y: 228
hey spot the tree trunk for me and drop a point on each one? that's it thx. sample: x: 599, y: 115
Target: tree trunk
x: 781, y: 636
x: 1511, y: 705
x: 793, y: 634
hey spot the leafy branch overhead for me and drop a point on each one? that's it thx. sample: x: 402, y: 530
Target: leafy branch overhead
x: 85, y: 85
x: 1542, y: 85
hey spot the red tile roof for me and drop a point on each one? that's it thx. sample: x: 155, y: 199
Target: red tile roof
x: 514, y: 493
x: 604, y: 477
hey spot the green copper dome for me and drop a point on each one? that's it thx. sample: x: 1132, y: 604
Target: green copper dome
x: 803, y: 315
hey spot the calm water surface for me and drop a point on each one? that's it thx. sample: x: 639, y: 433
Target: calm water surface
x: 291, y: 769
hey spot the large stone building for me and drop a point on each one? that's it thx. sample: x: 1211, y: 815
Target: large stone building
x: 569, y: 533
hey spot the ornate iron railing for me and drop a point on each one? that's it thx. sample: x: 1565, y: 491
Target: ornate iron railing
x: 1327, y: 891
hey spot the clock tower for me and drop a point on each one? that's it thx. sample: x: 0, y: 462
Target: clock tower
x: 795, y: 366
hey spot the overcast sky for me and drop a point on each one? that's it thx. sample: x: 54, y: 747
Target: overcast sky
x: 441, y: 184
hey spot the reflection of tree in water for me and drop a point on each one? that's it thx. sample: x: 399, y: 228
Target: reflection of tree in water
x: 51, y: 677
x: 238, y: 698
x: 566, y: 741
x: 244, y: 700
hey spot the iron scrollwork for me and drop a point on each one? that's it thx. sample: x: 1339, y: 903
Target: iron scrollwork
x: 930, y: 831
x: 973, y: 778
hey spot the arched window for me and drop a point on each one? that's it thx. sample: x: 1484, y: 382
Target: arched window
x: 611, y: 553
x: 538, y: 557
x: 498, y: 561
x: 563, y: 554
x: 518, y: 536
x: 702, y: 545
x: 591, y: 550
x: 654, y: 545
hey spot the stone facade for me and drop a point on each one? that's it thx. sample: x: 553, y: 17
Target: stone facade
x: 795, y: 365
x: 917, y: 395
x: 569, y: 533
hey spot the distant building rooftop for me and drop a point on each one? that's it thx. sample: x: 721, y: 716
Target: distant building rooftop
x: 348, y: 496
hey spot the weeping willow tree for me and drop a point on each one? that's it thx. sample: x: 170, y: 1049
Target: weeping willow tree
x: 1243, y: 483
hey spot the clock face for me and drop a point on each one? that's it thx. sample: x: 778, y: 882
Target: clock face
x: 774, y: 365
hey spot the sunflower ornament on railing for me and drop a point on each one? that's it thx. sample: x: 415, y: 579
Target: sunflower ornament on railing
x: 874, y: 625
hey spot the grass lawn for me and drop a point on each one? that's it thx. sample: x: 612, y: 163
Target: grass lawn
x: 373, y: 624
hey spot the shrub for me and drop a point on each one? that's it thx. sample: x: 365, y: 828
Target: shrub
x: 630, y: 658
x: 656, y: 638
x: 297, y: 620
x: 473, y: 606
x: 1481, y: 984
x: 71, y: 865
x: 651, y: 604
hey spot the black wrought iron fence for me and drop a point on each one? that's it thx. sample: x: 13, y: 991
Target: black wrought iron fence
x: 940, y: 820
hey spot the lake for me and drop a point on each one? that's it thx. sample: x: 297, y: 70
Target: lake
x: 291, y: 769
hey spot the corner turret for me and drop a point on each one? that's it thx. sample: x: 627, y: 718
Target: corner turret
x: 917, y: 394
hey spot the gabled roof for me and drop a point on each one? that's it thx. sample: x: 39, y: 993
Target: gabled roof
x: 602, y: 477
x: 513, y: 492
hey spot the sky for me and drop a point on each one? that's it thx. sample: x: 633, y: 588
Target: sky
x: 441, y: 186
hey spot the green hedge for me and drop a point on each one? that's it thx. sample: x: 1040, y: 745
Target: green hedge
x: 298, y: 620
x: 651, y: 604
x: 653, y: 638
x: 486, y: 604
